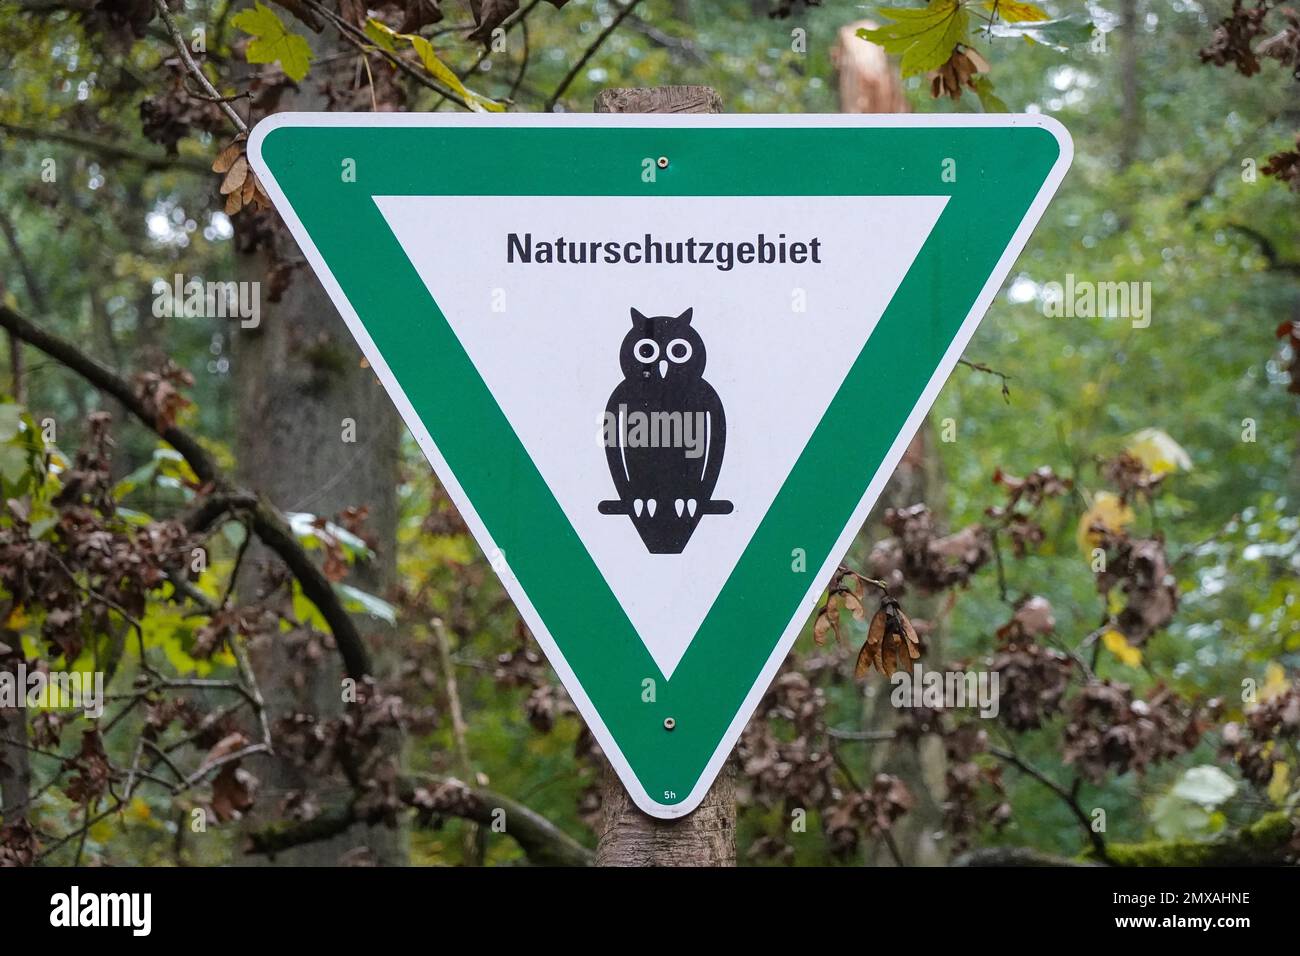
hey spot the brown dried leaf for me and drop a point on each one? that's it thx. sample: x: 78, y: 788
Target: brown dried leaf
x: 820, y: 627
x: 863, y: 666
x: 235, y: 177
x: 227, y: 157
x: 876, y: 632
x: 854, y: 605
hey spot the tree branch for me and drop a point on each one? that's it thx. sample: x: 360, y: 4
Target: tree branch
x: 981, y: 367
x: 596, y: 44
x: 110, y: 383
x: 542, y: 841
x: 183, y: 50
x: 35, y: 292
x: 1014, y: 856
x: 1098, y: 842
x: 108, y: 149
x: 1267, y: 249
x: 266, y: 521
x: 1266, y: 842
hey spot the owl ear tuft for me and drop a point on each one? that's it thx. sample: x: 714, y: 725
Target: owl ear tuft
x: 637, y: 318
x: 686, y: 316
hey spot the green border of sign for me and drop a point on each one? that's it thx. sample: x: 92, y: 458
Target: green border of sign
x: 1007, y: 168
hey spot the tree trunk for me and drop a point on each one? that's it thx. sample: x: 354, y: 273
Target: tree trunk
x: 315, y: 433
x: 707, y: 835
x: 704, y: 837
x: 15, y: 765
x: 867, y: 81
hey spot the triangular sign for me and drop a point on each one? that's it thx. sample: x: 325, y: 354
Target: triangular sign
x: 663, y: 364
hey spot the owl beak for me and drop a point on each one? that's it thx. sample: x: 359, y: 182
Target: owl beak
x: 663, y: 368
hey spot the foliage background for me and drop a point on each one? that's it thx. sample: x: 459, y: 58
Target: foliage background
x: 1157, y: 194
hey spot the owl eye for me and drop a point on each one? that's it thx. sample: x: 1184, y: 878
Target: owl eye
x: 679, y: 350
x: 646, y: 350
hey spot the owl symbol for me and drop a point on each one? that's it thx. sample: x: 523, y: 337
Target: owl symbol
x: 664, y: 433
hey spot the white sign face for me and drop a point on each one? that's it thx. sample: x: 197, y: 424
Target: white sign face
x: 551, y: 357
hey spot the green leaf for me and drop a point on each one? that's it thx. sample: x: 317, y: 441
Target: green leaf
x: 15, y: 464
x: 926, y: 38
x: 989, y: 101
x: 273, y: 42
x: 363, y: 602
x: 131, y: 516
x: 139, y: 478
x: 11, y: 420
x: 1189, y: 808
x: 1059, y: 34
x: 42, y: 527
x: 234, y: 532
x: 304, y: 529
x: 1205, y: 785
x: 384, y: 35
x: 1176, y: 819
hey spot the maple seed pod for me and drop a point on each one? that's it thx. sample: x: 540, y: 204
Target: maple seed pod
x: 891, y: 642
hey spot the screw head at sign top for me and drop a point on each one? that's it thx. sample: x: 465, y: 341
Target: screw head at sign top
x: 663, y: 162
x: 669, y: 723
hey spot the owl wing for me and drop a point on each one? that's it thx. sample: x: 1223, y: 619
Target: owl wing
x: 715, y: 443
x: 614, y: 450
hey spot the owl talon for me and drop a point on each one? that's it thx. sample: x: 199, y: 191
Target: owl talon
x: 637, y: 505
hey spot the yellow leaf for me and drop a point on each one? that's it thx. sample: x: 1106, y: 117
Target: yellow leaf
x: 1115, y: 602
x: 1280, y: 785
x: 139, y: 810
x: 1158, y: 452
x: 1015, y: 12
x: 383, y: 35
x: 1118, y: 645
x: 17, y: 619
x: 1275, y: 682
x: 1108, y: 511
